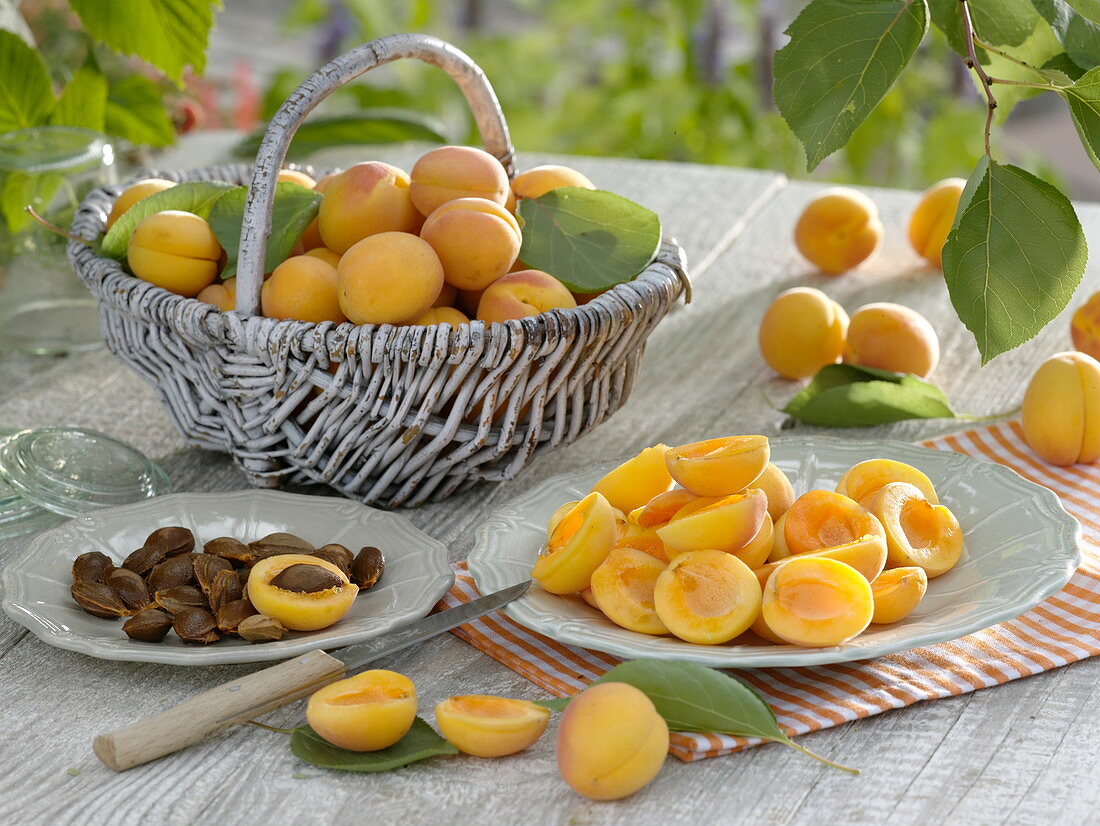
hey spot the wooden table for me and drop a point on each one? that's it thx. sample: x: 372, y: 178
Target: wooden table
x: 1025, y: 752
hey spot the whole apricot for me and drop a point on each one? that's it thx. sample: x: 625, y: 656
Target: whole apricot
x: 302, y: 288
x: 1084, y: 327
x: 477, y: 241
x: 932, y: 218
x: 311, y: 235
x: 892, y: 337
x: 367, y: 712
x: 611, y: 741
x: 487, y: 726
x: 448, y: 297
x: 1061, y: 412
x: 135, y: 192
x: 718, y: 467
x: 539, y: 180
x: 364, y: 200
x: 442, y: 315
x: 222, y: 294
x: 296, y: 176
x: 388, y: 278
x: 325, y: 254
x: 816, y: 602
x: 451, y: 172
x: 174, y: 250
x: 801, y: 332
x: 304, y: 593
x: 637, y: 480
x: 838, y: 230
x: 522, y: 294
x: 897, y: 592
x: 707, y: 597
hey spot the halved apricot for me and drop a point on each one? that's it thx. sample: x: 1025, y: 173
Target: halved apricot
x: 719, y: 467
x: 917, y: 532
x: 824, y: 519
x: 643, y: 539
x: 577, y: 545
x: 865, y: 478
x: 662, y: 507
x: 779, y: 551
x: 367, y: 712
x: 817, y: 602
x: 755, y: 553
x: 623, y: 588
x: 560, y: 514
x: 777, y: 487
x: 303, y: 592
x: 867, y: 555
x: 897, y: 592
x: 707, y: 597
x: 637, y: 480
x: 587, y: 595
x: 725, y: 524
x: 487, y: 726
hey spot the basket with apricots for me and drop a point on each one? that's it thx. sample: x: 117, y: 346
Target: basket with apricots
x: 707, y: 542
x: 374, y: 329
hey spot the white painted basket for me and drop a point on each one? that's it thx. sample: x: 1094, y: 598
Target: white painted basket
x: 388, y: 415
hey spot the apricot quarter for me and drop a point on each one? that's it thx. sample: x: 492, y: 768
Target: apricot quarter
x: 135, y: 192
x: 636, y: 481
x: 838, y: 230
x: 611, y: 741
x: 301, y: 610
x: 522, y: 294
x: 719, y: 467
x: 304, y: 288
x: 174, y: 250
x: 388, y: 278
x: 537, y: 181
x: 897, y: 592
x: 452, y: 172
x: 623, y: 588
x: 477, y: 241
x: 486, y: 726
x: 364, y: 200
x: 707, y: 597
x: 816, y: 602
x: 865, y: 478
x: 367, y: 712
x: 1061, y: 412
x: 802, y: 331
x: 932, y: 218
x: 580, y: 541
x: 918, y: 533
x: 892, y: 337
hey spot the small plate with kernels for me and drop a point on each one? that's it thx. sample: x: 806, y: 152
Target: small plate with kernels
x: 37, y: 583
x: 993, y: 546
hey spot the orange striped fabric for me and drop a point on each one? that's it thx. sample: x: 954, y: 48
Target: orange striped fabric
x: 1063, y: 629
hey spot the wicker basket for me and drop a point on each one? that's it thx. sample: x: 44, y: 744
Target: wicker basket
x: 385, y: 414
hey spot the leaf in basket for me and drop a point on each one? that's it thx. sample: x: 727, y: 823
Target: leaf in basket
x: 295, y: 207
x: 588, y: 239
x: 377, y: 126
x: 197, y: 197
x: 420, y: 743
x: 845, y: 395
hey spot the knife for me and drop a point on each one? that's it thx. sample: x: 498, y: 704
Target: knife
x: 238, y: 701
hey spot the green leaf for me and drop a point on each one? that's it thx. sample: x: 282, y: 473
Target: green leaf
x: 170, y: 34
x: 197, y: 197
x: 29, y: 101
x: 1083, y: 98
x: 1061, y: 63
x: 588, y: 239
x: 20, y: 190
x: 1079, y: 36
x: 420, y: 743
x: 842, y: 58
x: 83, y: 101
x: 556, y: 704
x: 295, y: 207
x: 847, y: 395
x: 1014, y: 256
x: 135, y: 112
x: 378, y: 127
x: 1088, y: 9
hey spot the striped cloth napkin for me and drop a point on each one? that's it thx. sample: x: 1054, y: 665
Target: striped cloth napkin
x: 1064, y: 629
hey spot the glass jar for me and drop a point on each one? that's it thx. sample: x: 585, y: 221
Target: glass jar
x: 43, y: 306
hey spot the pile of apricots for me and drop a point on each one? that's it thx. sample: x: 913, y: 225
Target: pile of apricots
x: 437, y: 245
x: 707, y: 541
x: 611, y: 741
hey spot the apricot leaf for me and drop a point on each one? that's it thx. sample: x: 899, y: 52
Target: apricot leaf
x: 1079, y: 35
x: 83, y: 101
x: 1083, y: 98
x: 1014, y: 256
x: 197, y: 197
x: 843, y: 56
x: 846, y: 395
x: 420, y: 743
x: 295, y: 207
x: 26, y: 102
x: 588, y: 239
x: 135, y: 111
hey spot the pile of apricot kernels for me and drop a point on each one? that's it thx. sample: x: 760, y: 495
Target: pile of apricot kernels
x: 697, y: 559
x: 486, y: 726
x: 933, y: 217
x: 367, y: 712
x: 1061, y: 412
x: 838, y: 230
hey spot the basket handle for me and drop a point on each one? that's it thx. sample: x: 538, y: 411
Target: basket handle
x: 256, y: 225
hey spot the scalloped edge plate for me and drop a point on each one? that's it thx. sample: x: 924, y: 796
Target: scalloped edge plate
x: 36, y: 584
x: 1021, y: 547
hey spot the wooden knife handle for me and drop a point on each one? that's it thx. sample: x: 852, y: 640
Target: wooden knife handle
x: 212, y: 711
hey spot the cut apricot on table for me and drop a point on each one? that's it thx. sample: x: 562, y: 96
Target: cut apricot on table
x: 719, y: 467
x: 707, y: 597
x: 577, y: 545
x: 487, y: 726
x: 917, y: 532
x: 367, y: 712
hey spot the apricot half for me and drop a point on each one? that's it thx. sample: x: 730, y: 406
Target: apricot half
x: 867, y: 555
x: 865, y: 478
x: 897, y: 592
x: 756, y: 551
x: 636, y: 481
x: 487, y: 726
x: 313, y: 595
x: 777, y: 487
x: 623, y: 588
x: 611, y: 741
x: 707, y: 597
x: 719, y: 467
x: 824, y: 519
x: 1061, y: 413
x: 662, y: 507
x: 817, y: 602
x: 726, y: 524
x: 917, y: 532
x: 367, y: 712
x: 641, y: 539
x: 577, y: 545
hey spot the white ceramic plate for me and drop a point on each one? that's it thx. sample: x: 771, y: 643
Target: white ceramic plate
x: 36, y: 585
x: 1021, y: 547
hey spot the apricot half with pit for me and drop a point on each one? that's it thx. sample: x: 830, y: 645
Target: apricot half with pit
x: 487, y: 726
x: 367, y: 712
x: 918, y: 533
x: 719, y: 467
x: 623, y: 588
x: 897, y: 592
x: 707, y: 597
x: 816, y: 602
x: 304, y: 593
x: 636, y: 481
x: 577, y: 545
x: 725, y: 524
x: 865, y: 478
